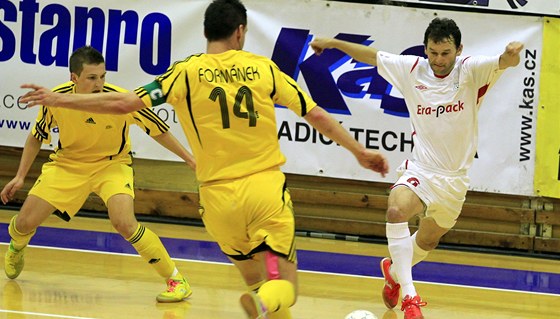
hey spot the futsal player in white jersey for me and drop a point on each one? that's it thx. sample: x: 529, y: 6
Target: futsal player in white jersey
x: 443, y: 93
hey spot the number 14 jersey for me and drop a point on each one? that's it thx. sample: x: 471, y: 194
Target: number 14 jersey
x: 226, y: 106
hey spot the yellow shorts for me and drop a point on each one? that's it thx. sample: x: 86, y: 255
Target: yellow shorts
x: 243, y: 215
x: 66, y: 186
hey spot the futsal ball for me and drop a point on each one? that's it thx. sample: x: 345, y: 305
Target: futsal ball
x: 360, y: 314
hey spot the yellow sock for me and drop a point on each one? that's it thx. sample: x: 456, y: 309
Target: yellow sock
x: 19, y: 240
x: 278, y: 296
x: 255, y: 287
x: 150, y: 247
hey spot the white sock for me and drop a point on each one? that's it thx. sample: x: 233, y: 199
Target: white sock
x: 401, y: 250
x: 419, y: 254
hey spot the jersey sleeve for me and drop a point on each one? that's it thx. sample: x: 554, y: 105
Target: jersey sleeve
x: 43, y: 124
x: 392, y: 66
x: 288, y: 93
x: 149, y: 122
x: 484, y: 70
x: 159, y: 91
x: 145, y: 118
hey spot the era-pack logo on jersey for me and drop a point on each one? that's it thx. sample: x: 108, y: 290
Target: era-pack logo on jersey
x: 361, y: 82
x: 440, y: 109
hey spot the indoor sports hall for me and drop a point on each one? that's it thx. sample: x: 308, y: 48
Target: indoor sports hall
x: 501, y: 260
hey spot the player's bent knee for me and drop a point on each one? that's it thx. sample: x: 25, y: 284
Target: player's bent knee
x: 396, y: 215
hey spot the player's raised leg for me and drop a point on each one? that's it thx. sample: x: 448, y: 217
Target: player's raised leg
x: 273, y: 292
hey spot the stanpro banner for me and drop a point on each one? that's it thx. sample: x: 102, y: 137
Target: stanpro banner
x: 544, y: 7
x: 140, y: 40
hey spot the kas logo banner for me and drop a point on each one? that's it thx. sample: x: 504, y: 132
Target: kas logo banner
x: 290, y: 48
x: 545, y: 7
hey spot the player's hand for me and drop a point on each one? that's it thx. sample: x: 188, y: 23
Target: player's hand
x: 511, y: 56
x: 513, y: 48
x: 375, y: 161
x: 37, y: 96
x: 9, y: 191
x: 320, y: 44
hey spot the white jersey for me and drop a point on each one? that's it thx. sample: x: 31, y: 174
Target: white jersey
x: 443, y: 111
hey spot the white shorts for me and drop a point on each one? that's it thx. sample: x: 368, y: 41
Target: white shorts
x: 443, y: 193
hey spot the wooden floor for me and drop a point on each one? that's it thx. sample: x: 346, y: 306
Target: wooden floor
x: 62, y: 283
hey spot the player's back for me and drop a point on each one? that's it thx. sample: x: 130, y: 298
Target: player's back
x: 227, y: 109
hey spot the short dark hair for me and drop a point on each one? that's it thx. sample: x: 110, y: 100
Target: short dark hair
x: 441, y: 29
x: 84, y: 55
x: 222, y: 18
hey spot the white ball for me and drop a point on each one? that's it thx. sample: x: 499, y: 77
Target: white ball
x: 360, y: 314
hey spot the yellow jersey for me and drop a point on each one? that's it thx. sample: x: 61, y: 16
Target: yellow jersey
x: 91, y: 137
x: 226, y: 105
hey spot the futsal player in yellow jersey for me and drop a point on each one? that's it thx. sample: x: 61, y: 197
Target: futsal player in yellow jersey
x: 93, y: 155
x: 226, y: 100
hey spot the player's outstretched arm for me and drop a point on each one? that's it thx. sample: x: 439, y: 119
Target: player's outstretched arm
x: 329, y: 127
x: 107, y: 103
x: 171, y: 143
x: 30, y: 151
x: 357, y: 51
x: 511, y: 57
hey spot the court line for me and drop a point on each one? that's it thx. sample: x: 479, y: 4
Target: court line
x: 319, y: 261
x: 41, y: 314
x: 441, y: 284
x: 299, y: 270
x: 324, y: 262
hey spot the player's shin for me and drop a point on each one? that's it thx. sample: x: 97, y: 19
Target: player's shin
x: 150, y: 247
